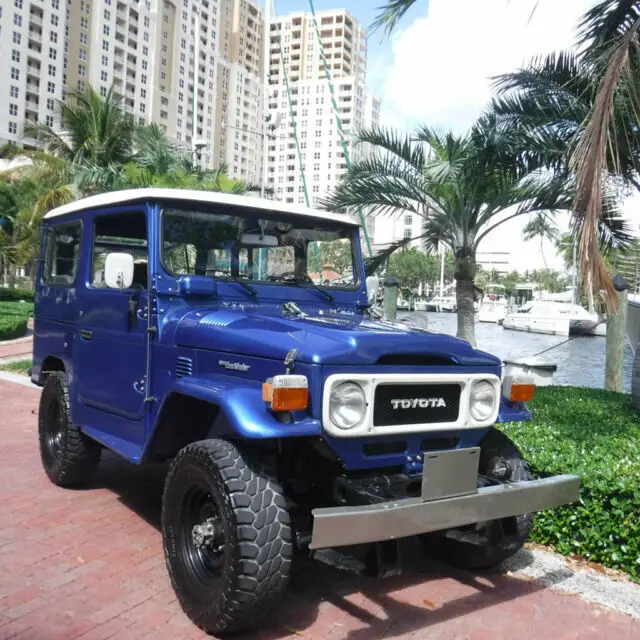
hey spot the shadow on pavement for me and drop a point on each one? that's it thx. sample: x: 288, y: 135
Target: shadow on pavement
x: 362, y: 608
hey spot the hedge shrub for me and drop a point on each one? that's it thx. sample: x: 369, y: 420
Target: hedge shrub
x: 596, y: 435
x: 13, y: 319
x: 15, y: 295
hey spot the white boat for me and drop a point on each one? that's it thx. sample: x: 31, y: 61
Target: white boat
x: 420, y: 305
x: 493, y: 307
x: 633, y: 319
x: 555, y: 318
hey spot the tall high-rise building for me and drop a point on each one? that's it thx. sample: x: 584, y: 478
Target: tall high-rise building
x: 193, y: 67
x: 296, y: 62
x: 32, y: 36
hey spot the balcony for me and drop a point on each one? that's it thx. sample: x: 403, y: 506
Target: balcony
x: 35, y: 19
x: 35, y: 35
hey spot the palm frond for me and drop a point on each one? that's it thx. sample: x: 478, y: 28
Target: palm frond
x: 390, y: 15
x: 590, y: 161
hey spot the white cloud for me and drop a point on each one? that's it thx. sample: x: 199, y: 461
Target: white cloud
x: 441, y: 65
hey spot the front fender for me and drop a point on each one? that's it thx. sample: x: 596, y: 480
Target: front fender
x: 241, y: 401
x: 513, y: 411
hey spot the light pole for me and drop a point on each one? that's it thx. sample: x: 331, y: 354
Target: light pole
x: 573, y: 244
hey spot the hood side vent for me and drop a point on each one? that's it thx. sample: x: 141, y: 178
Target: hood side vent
x: 184, y: 367
x: 416, y: 360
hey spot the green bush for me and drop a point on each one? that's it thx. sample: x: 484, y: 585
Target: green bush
x: 16, y: 294
x: 12, y: 327
x: 13, y: 319
x: 596, y: 435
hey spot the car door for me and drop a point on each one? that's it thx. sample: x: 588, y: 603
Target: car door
x: 111, y: 340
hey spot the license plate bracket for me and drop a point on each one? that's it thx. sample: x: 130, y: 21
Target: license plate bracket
x: 450, y: 473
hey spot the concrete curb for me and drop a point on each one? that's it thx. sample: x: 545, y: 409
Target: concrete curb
x: 16, y: 378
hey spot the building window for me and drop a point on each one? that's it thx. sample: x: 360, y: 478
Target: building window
x: 54, y: 37
x: 407, y: 232
x: 107, y: 14
x: 52, y: 70
x: 103, y: 76
x: 14, y: 91
x: 17, y: 20
x: 15, y: 55
x: 105, y: 45
x: 81, y: 85
x: 106, y: 30
x: 143, y: 107
x: 143, y: 79
x: 145, y: 50
x: 18, y: 4
x: 84, y: 23
x: 82, y: 70
x: 83, y: 39
x: 105, y: 61
x: 143, y: 93
x: 17, y: 38
x: 51, y: 104
x: 408, y: 220
x: 13, y: 127
x: 144, y: 65
x: 103, y: 91
x: 48, y: 121
x: 13, y: 109
x: 51, y: 87
x: 53, y: 54
x: 15, y: 73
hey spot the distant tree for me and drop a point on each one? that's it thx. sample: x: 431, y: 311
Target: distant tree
x: 540, y: 226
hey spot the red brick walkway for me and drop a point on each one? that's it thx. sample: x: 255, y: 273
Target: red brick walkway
x: 88, y: 564
x: 16, y: 348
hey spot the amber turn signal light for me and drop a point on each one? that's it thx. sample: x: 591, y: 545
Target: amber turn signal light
x: 286, y: 392
x: 519, y: 388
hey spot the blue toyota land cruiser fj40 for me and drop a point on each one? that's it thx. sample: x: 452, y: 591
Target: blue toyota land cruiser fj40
x: 235, y: 339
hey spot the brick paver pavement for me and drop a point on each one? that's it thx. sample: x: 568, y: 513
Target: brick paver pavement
x: 16, y: 348
x: 87, y: 563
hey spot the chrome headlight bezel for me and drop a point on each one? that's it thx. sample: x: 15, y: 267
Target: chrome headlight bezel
x: 347, y: 398
x: 483, y: 399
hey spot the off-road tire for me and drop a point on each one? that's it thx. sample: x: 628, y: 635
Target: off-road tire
x: 68, y: 456
x: 252, y: 522
x: 504, y: 537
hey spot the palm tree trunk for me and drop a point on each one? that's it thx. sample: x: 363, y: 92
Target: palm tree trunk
x: 465, y: 274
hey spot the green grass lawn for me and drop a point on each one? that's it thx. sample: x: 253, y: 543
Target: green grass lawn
x: 13, y: 319
x: 596, y: 435
x: 19, y: 366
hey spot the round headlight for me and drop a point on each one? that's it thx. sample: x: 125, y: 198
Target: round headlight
x: 347, y: 405
x: 482, y: 402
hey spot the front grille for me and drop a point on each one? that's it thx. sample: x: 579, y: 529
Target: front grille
x: 443, y: 404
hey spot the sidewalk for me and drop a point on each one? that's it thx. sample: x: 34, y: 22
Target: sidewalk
x: 18, y: 349
x: 88, y: 563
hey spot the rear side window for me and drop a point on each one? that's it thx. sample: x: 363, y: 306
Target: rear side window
x: 63, y: 254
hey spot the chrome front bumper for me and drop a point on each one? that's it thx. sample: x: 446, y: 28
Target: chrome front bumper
x: 340, y: 526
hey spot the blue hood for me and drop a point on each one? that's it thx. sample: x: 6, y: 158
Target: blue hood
x: 328, y: 338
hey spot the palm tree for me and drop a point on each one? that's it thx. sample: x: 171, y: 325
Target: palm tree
x: 540, y: 226
x: 463, y: 187
x: 95, y: 142
x: 578, y: 114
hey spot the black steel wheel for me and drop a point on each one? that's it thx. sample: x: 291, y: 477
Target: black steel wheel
x: 68, y: 456
x: 227, y: 536
x: 487, y: 544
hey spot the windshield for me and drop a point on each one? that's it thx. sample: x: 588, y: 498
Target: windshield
x: 269, y: 250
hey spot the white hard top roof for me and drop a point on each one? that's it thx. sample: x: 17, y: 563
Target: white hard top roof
x: 128, y: 196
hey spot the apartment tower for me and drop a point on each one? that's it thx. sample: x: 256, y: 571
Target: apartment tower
x: 295, y: 57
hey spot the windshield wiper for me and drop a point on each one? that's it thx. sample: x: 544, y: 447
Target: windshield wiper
x: 227, y: 276
x: 298, y: 280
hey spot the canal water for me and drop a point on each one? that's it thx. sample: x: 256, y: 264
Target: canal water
x: 580, y: 361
